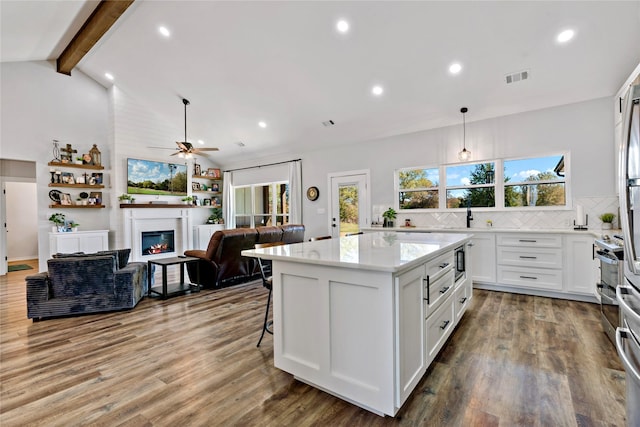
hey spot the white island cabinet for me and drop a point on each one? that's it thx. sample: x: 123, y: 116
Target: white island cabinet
x: 361, y: 317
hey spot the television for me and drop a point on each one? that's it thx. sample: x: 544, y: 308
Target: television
x: 156, y: 178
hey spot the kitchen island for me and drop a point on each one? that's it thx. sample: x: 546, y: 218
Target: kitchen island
x: 362, y: 317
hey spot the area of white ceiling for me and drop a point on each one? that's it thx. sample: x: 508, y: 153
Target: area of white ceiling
x: 284, y: 63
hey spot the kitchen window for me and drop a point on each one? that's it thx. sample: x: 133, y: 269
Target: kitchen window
x: 418, y: 188
x: 471, y: 185
x: 536, y: 181
x: 262, y: 204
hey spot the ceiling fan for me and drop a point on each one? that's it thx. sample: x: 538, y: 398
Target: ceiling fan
x: 186, y: 149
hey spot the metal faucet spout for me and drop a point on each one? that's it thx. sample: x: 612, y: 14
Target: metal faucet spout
x: 469, y: 217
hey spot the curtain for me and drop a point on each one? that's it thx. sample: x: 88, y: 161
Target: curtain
x: 295, y: 192
x: 228, y: 200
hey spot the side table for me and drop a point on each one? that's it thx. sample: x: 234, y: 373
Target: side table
x: 171, y: 289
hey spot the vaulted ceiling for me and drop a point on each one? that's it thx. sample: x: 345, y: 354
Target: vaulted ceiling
x: 284, y: 63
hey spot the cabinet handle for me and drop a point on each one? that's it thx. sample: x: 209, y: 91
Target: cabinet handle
x: 470, y: 244
x: 529, y: 277
x: 527, y: 240
x: 427, y: 284
x: 444, y: 265
x: 463, y: 300
x: 444, y: 290
x: 444, y: 324
x: 528, y: 257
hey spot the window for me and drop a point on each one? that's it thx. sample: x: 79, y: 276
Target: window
x: 418, y: 188
x: 471, y: 185
x: 262, y: 204
x: 538, y: 181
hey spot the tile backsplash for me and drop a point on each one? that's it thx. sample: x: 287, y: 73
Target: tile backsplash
x: 556, y: 219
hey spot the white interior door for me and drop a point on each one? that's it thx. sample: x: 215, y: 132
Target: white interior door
x: 350, y: 204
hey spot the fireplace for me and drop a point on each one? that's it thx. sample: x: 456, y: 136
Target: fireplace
x: 158, y: 242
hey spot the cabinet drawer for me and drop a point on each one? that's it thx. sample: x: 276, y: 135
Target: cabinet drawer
x: 530, y: 257
x: 439, y: 265
x: 435, y: 292
x: 438, y: 328
x: 530, y: 240
x: 530, y: 277
x: 462, y: 299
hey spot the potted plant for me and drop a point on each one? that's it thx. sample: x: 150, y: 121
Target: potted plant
x: 74, y: 225
x: 215, y: 217
x: 187, y: 200
x: 389, y: 216
x: 125, y: 198
x: 607, y: 220
x: 58, y: 219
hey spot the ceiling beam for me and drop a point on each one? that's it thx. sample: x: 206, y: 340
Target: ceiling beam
x: 103, y: 17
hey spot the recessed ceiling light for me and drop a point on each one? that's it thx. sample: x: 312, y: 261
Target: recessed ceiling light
x: 201, y: 142
x: 377, y: 90
x: 565, y: 36
x: 109, y: 76
x: 455, y: 68
x: 342, y: 26
x: 164, y: 31
x: 262, y: 125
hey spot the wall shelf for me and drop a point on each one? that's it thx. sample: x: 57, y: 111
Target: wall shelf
x: 74, y: 165
x: 155, y: 206
x: 77, y: 206
x: 77, y: 185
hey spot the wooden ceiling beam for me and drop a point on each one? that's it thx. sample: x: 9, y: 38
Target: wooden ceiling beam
x: 103, y: 17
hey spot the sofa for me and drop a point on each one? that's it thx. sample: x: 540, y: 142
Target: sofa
x: 86, y: 283
x: 222, y: 263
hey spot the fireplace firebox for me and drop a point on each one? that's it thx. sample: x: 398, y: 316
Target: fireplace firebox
x: 158, y: 242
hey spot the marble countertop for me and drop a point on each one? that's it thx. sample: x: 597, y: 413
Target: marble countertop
x: 592, y: 231
x: 393, y: 251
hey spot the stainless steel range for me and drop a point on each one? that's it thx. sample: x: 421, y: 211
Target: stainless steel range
x: 610, y: 252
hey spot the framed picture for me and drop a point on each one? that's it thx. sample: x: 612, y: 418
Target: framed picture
x: 213, y: 173
x: 215, y: 187
x: 98, y: 177
x: 65, y: 199
x: 96, y: 196
x: 196, y: 169
x: 80, y: 179
x: 195, y: 186
x: 68, y: 178
x: 215, y: 202
x: 206, y: 202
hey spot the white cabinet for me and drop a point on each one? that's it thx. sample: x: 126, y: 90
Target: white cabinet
x: 530, y: 260
x: 202, y: 234
x: 80, y: 241
x: 483, y: 257
x: 581, y: 273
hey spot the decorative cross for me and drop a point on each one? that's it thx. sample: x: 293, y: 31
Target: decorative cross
x: 69, y: 151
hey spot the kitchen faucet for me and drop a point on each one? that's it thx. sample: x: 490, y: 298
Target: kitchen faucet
x: 469, y: 215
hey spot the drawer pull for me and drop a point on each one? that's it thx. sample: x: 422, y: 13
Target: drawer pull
x: 444, y: 290
x: 428, y: 290
x: 463, y: 300
x: 444, y: 324
x: 527, y: 240
x: 528, y: 257
x: 529, y: 277
x: 444, y: 265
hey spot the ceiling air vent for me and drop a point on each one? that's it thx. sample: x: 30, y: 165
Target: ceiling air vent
x: 328, y: 123
x: 517, y: 77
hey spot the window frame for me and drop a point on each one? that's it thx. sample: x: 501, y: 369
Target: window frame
x: 253, y: 214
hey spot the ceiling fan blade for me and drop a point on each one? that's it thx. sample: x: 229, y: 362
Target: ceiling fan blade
x: 164, y: 148
x: 176, y: 153
x: 199, y: 153
x: 207, y: 149
x: 182, y: 145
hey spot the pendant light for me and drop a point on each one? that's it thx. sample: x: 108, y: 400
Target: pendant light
x: 465, y: 154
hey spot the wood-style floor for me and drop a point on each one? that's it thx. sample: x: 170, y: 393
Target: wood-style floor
x: 192, y: 360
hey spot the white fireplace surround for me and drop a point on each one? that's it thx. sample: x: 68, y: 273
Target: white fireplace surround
x: 149, y: 219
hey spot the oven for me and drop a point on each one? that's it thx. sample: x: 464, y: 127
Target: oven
x: 460, y: 263
x: 610, y: 254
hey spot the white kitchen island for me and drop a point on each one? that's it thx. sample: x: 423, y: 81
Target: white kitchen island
x: 362, y: 317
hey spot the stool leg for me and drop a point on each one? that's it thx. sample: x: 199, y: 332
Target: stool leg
x: 266, y: 319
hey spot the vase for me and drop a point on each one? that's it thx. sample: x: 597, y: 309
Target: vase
x: 606, y: 226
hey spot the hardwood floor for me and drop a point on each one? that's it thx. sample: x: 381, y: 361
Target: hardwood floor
x: 192, y: 360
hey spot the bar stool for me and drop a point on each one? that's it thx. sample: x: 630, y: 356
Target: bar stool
x: 267, y: 282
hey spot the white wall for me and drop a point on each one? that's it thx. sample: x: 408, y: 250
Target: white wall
x: 22, y: 221
x: 39, y: 105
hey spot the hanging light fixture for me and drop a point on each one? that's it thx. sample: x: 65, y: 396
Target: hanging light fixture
x: 465, y: 154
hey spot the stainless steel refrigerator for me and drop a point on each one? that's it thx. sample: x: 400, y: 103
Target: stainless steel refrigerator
x: 628, y: 294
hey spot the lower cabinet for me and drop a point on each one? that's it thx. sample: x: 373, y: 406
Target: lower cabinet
x: 79, y: 241
x: 483, y: 264
x: 581, y: 273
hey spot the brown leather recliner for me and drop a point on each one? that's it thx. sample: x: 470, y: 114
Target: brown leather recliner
x: 222, y: 263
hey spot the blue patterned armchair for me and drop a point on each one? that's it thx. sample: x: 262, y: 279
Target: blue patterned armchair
x: 86, y: 283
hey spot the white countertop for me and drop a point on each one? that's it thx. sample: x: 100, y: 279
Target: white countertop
x: 591, y: 231
x: 382, y: 251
